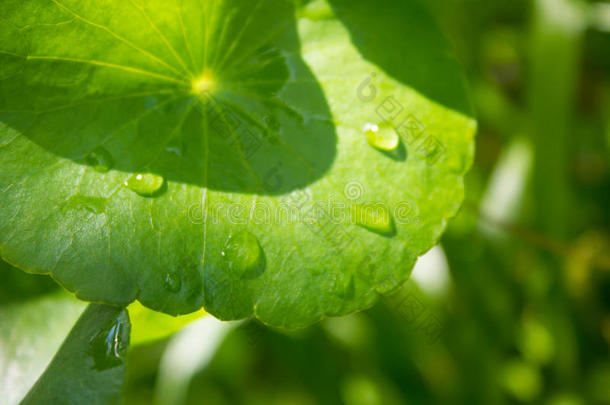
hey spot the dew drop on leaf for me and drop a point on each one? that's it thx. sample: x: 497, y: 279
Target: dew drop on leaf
x: 374, y: 217
x: 243, y: 255
x: 145, y: 184
x: 381, y: 136
x: 173, y: 283
x: 100, y: 159
x: 94, y: 205
x: 109, y: 345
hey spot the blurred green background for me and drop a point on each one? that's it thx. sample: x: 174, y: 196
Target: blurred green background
x: 513, y: 307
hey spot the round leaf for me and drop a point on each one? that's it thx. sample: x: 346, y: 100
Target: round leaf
x: 219, y: 153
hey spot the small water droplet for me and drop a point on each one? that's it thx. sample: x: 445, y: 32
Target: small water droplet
x: 100, y: 159
x: 94, y: 205
x: 382, y: 136
x: 173, y: 282
x: 244, y: 255
x: 109, y: 345
x: 145, y: 184
x: 374, y: 217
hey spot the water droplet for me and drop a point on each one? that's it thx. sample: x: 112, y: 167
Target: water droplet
x: 109, y: 345
x: 145, y: 184
x: 382, y: 136
x: 244, y: 256
x: 374, y: 217
x: 173, y: 282
x: 94, y: 205
x: 100, y: 159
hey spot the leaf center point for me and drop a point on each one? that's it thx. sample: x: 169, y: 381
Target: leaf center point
x: 204, y: 84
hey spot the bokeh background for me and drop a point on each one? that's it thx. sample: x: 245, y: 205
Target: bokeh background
x: 513, y: 307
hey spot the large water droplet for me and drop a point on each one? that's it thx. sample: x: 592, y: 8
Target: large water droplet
x: 100, y: 159
x: 145, y: 184
x: 94, y: 205
x: 173, y: 283
x: 244, y: 256
x: 109, y: 345
x: 374, y: 217
x: 382, y: 136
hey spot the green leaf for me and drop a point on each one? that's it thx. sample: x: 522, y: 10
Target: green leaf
x: 213, y: 153
x: 148, y: 326
x: 31, y: 333
x: 88, y: 368
x: 36, y: 319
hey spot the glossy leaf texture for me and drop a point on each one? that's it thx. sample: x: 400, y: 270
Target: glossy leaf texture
x: 89, y: 366
x: 36, y: 318
x: 31, y: 333
x: 287, y: 161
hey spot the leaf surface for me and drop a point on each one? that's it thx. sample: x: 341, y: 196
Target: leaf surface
x: 214, y: 153
x: 31, y: 333
x: 88, y: 368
